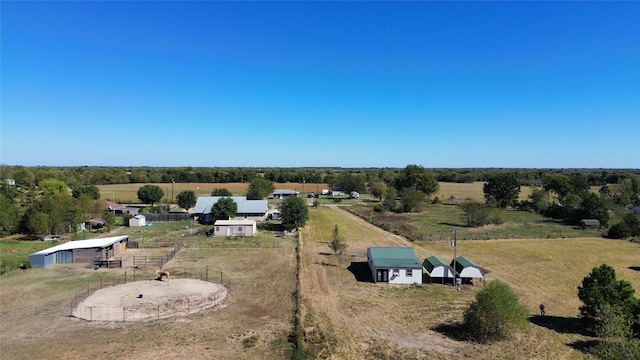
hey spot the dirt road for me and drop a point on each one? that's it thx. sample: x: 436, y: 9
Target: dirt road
x: 392, y: 237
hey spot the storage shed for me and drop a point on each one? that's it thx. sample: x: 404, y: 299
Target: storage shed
x: 81, y: 251
x: 283, y: 193
x: 394, y: 265
x: 437, y: 269
x: 138, y: 220
x: 467, y: 269
x: 234, y: 228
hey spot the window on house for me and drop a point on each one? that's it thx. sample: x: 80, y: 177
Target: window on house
x: 409, y: 272
x: 217, y: 228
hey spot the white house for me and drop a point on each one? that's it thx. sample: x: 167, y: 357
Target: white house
x: 394, y: 265
x: 235, y: 228
x: 138, y: 220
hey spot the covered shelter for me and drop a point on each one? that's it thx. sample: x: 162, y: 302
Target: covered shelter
x: 283, y: 193
x: 467, y: 269
x: 81, y: 251
x: 394, y: 265
x: 243, y: 227
x: 438, y: 269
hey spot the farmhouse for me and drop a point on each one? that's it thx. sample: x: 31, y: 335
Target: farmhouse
x: 467, y: 269
x: 138, y: 220
x: 247, y: 209
x: 283, y: 193
x: 81, y: 251
x: 394, y: 265
x: 437, y: 269
x: 234, y: 228
x: 117, y: 209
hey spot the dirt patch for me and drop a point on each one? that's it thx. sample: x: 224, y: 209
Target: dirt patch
x: 150, y: 300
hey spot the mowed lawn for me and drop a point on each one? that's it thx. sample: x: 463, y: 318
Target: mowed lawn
x: 347, y: 316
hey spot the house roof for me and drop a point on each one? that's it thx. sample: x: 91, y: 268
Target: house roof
x: 205, y: 203
x: 83, y: 244
x: 242, y: 222
x: 590, y: 222
x: 432, y: 262
x: 399, y: 257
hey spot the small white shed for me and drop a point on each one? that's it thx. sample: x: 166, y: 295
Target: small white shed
x: 138, y: 220
x: 438, y: 269
x: 235, y: 228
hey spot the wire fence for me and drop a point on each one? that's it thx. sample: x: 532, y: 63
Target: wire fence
x: 145, y: 310
x: 148, y: 311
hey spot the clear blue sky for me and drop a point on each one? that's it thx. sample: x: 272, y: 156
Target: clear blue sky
x: 291, y: 84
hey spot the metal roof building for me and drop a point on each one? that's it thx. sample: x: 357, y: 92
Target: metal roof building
x: 80, y: 251
x: 247, y: 209
x: 466, y: 268
x: 394, y: 265
x: 436, y: 267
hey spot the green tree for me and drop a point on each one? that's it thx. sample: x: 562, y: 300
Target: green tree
x: 558, y: 183
x: 109, y: 220
x: 52, y: 186
x: 221, y: 192
x: 412, y: 199
x: 478, y: 214
x: 495, y: 314
x: 502, y: 190
x: 9, y: 216
x: 606, y: 297
x: 186, y: 199
x: 417, y: 177
x: 150, y: 194
x: 225, y: 208
x: 337, y: 245
x: 379, y: 189
x: 259, y: 188
x: 293, y: 212
x: 91, y: 191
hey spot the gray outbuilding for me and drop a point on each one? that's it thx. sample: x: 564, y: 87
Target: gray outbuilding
x: 81, y: 251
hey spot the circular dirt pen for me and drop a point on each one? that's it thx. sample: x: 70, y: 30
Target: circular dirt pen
x: 150, y: 300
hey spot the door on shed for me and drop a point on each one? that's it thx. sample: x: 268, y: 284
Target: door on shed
x: 382, y: 275
x: 229, y: 230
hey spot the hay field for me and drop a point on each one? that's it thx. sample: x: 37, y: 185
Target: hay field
x: 347, y: 316
x: 128, y: 193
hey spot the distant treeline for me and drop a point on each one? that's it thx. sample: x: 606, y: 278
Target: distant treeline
x: 92, y: 175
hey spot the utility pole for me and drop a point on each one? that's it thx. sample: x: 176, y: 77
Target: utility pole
x: 455, y: 248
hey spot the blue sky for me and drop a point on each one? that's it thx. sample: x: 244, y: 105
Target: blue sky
x: 293, y: 84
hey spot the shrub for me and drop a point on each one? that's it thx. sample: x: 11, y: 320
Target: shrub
x: 495, y: 313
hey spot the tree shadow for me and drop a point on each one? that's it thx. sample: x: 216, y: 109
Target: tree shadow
x: 559, y: 324
x: 452, y: 331
x: 635, y: 268
x: 583, y: 345
x: 360, y: 271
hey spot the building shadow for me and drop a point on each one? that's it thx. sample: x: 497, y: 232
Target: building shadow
x: 559, y: 324
x: 360, y: 271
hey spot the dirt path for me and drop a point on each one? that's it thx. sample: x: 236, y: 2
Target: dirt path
x: 392, y: 237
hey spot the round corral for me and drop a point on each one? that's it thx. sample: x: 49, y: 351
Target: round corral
x: 150, y: 300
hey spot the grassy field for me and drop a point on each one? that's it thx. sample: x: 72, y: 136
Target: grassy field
x: 254, y: 321
x: 344, y: 315
x: 128, y: 193
x: 350, y: 317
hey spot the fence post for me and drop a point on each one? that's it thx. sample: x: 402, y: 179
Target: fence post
x: 206, y: 273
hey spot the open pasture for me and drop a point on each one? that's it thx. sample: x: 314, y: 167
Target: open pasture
x: 348, y: 316
x: 128, y: 193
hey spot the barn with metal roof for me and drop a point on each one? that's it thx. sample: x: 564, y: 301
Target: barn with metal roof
x: 437, y: 269
x: 467, y: 269
x: 247, y: 209
x: 80, y: 251
x: 394, y: 265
